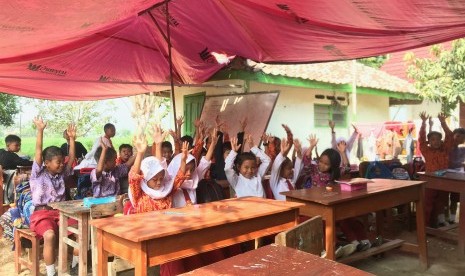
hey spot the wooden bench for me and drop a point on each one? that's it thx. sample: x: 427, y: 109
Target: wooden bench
x: 33, y: 262
x: 276, y: 260
x: 307, y: 236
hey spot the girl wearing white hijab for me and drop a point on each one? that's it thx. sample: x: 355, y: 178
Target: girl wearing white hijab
x: 150, y: 187
x: 186, y: 194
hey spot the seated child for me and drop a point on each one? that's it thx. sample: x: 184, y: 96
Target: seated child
x: 283, y: 176
x: 150, y: 186
x: 456, y: 161
x: 167, y: 151
x: 81, y: 151
x: 106, y: 177
x: 436, y: 155
x: 47, y: 185
x: 89, y: 160
x: 241, y: 169
x: 9, y: 160
x: 125, y: 153
x: 186, y: 194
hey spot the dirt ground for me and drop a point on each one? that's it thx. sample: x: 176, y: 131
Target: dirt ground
x: 443, y: 257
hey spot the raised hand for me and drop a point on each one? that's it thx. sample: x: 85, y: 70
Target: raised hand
x: 173, y: 134
x: 214, y: 136
x: 285, y: 146
x: 286, y: 128
x: 243, y: 124
x: 140, y: 143
x: 71, y: 131
x: 331, y: 124
x: 442, y: 117
x: 423, y: 116
x: 158, y: 135
x: 218, y: 122
x: 180, y: 121
x: 312, y: 140
x: 234, y: 146
x: 341, y: 146
x: 355, y: 128
x: 184, y: 151
x: 39, y: 123
x: 249, y: 141
x: 298, y: 148
x: 265, y: 138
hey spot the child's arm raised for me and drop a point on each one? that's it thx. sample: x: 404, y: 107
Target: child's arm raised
x: 313, y: 141
x: 422, y: 134
x: 298, y: 161
x: 332, y: 124
x: 181, y: 175
x: 231, y: 175
x: 135, y: 177
x: 449, y: 137
x: 40, y: 125
x: 140, y: 144
x: 353, y: 137
x: 278, y: 161
x: 341, y: 147
x: 265, y: 159
x: 158, y: 138
x: 214, y: 140
x: 71, y: 131
x: 101, y: 160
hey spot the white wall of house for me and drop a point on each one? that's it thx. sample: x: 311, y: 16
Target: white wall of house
x: 295, y: 107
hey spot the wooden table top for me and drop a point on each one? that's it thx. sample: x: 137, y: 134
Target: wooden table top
x: 448, y: 175
x: 146, y: 226
x: 70, y: 206
x: 322, y: 196
x: 277, y: 260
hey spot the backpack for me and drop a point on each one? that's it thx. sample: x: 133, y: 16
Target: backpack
x: 398, y: 171
x: 377, y: 169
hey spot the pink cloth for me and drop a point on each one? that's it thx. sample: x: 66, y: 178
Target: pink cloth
x: 104, y: 49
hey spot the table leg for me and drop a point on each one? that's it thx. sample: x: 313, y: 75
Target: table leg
x: 102, y: 255
x: 62, y: 246
x: 421, y: 230
x: 93, y: 248
x: 462, y: 224
x: 141, y: 263
x: 330, y: 235
x: 83, y: 240
x: 380, y: 223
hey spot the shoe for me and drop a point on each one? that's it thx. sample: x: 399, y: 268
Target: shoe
x: 348, y: 249
x: 363, y: 246
x: 377, y: 242
x: 323, y: 254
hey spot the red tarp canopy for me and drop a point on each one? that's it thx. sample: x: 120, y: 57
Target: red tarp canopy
x: 87, y: 49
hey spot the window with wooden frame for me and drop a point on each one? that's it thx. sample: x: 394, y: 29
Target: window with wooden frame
x: 325, y: 112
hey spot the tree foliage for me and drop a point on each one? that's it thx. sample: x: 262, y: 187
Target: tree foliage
x: 440, y: 77
x: 375, y: 62
x: 9, y: 107
x: 89, y: 116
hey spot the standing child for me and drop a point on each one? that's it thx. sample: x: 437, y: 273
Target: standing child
x: 106, y: 177
x: 241, y: 169
x: 186, y: 194
x: 436, y: 154
x: 48, y: 185
x: 89, y: 160
x: 150, y: 187
x: 283, y: 177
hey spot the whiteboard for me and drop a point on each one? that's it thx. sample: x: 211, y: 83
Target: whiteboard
x: 257, y: 106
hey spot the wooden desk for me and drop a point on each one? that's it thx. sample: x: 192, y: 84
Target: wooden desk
x: 72, y: 209
x: 380, y: 195
x: 276, y: 260
x: 450, y: 182
x: 154, y: 238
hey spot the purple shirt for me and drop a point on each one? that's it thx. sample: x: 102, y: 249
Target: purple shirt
x: 46, y: 188
x: 108, y: 183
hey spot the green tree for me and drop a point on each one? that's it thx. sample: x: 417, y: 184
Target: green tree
x: 9, y: 107
x: 375, y: 62
x: 440, y: 77
x: 89, y: 116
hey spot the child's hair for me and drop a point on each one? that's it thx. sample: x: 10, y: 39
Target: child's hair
x: 12, y: 139
x: 335, y: 160
x: 432, y: 133
x: 284, y: 163
x: 50, y: 152
x: 188, y: 139
x: 241, y: 157
x: 124, y: 146
x: 109, y: 155
x: 459, y: 130
x: 277, y: 143
x: 167, y: 144
x: 227, y: 146
x: 108, y: 126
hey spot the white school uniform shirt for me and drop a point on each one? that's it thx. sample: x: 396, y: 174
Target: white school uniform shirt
x: 244, y: 186
x: 279, y: 184
x: 89, y: 160
x: 189, y: 185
